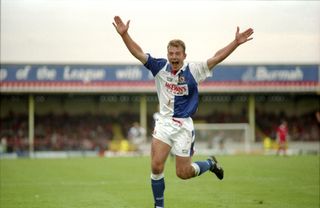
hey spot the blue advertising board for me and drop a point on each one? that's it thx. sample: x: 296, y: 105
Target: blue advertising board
x: 70, y: 73
x: 13, y: 76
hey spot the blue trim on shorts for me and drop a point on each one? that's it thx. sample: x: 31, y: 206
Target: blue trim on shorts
x: 192, y: 149
x: 192, y: 144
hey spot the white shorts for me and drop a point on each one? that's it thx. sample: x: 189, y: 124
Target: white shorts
x: 176, y: 132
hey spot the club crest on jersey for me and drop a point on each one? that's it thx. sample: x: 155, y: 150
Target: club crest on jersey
x: 182, y: 80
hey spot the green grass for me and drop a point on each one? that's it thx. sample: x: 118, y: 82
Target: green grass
x: 250, y: 181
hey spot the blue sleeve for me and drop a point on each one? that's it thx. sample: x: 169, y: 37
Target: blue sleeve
x: 154, y: 64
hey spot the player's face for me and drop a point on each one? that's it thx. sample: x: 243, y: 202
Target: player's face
x: 176, y: 56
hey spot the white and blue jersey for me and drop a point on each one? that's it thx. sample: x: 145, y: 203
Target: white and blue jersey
x: 177, y: 93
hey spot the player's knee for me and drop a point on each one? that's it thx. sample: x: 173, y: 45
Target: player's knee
x: 157, y: 168
x: 183, y: 174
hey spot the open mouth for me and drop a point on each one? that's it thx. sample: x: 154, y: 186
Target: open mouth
x: 175, y: 63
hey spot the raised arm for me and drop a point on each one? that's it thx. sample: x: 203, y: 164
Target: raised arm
x: 223, y: 53
x: 132, y: 46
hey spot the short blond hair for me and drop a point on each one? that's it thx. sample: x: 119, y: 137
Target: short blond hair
x: 177, y: 43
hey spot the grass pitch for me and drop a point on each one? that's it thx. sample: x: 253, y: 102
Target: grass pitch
x: 250, y: 181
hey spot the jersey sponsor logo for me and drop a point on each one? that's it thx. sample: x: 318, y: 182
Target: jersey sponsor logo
x: 177, y: 90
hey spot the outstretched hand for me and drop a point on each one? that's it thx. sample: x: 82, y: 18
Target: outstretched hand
x: 244, y: 36
x: 120, y: 26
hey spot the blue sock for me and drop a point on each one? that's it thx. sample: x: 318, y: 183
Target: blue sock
x: 158, y: 190
x: 202, y: 166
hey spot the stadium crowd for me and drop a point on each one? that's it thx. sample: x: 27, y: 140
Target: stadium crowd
x: 95, y: 132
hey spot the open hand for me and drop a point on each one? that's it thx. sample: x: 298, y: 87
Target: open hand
x: 244, y: 36
x: 120, y: 26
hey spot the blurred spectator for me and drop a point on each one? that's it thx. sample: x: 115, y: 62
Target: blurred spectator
x: 3, y: 145
x: 137, y: 135
x: 318, y: 116
x: 218, y: 142
x: 282, y: 137
x: 267, y: 144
